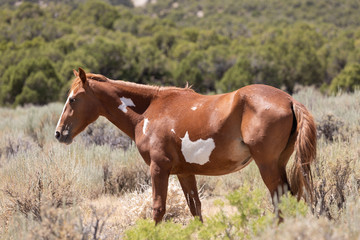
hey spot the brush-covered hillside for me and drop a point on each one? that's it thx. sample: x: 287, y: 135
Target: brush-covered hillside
x: 216, y: 46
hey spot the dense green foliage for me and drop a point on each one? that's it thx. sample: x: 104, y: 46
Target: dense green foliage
x: 248, y: 220
x: 214, y: 46
x: 348, y: 79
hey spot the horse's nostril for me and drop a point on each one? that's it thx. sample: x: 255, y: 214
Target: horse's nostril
x: 57, y: 134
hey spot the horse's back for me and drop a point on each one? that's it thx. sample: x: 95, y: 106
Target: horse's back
x: 261, y: 96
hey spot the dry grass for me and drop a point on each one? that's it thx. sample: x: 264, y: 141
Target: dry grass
x: 98, y: 187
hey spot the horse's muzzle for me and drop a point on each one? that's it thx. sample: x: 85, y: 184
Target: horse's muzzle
x: 63, y: 138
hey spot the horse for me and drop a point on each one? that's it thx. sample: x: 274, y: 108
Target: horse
x: 178, y: 131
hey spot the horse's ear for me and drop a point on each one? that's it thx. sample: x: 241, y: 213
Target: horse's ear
x: 82, y: 75
x: 75, y: 73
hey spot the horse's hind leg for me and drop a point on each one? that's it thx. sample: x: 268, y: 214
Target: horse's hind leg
x: 267, y: 134
x: 188, y: 185
x: 274, y: 178
x: 273, y: 173
x: 271, y: 160
x: 283, y: 160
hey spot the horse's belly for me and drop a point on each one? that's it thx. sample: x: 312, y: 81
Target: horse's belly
x: 233, y: 156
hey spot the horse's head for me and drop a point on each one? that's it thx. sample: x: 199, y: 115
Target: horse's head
x: 81, y: 109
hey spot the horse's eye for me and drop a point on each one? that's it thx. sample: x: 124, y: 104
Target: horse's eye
x: 71, y: 100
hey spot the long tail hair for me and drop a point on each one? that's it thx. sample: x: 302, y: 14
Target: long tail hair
x: 305, y: 147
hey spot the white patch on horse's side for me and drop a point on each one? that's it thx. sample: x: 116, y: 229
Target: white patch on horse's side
x: 67, y: 100
x: 125, y: 102
x: 198, y: 151
x: 172, y: 130
x: 146, y: 122
x: 194, y: 108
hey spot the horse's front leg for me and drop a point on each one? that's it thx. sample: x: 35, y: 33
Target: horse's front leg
x: 159, y: 178
x: 188, y: 185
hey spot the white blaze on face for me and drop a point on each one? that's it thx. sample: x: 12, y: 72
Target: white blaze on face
x: 126, y: 102
x: 146, y: 122
x: 172, y: 130
x: 70, y: 95
x: 193, y: 108
x: 198, y: 151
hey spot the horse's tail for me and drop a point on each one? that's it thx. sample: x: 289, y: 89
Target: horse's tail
x: 305, y: 147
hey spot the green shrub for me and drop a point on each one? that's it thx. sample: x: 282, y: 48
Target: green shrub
x: 249, y: 220
x: 145, y: 229
x: 189, y: 70
x: 33, y: 80
x: 347, y: 80
x: 291, y: 207
x: 96, y: 12
x: 237, y: 76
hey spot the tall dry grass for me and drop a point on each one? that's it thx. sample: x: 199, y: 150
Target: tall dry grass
x: 98, y: 187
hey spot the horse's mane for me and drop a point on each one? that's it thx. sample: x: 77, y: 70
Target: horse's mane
x: 77, y: 83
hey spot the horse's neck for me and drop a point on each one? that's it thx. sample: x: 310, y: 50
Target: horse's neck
x: 142, y: 94
x: 124, y: 103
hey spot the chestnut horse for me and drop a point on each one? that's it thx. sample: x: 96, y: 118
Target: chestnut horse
x: 178, y: 131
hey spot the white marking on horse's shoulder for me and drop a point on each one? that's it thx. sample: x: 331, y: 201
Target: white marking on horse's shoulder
x: 146, y: 122
x: 172, y: 130
x: 125, y: 102
x: 194, y: 108
x: 67, y: 100
x: 198, y: 151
